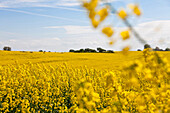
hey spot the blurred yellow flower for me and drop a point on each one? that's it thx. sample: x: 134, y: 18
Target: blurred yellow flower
x: 126, y: 49
x: 135, y: 9
x: 125, y: 35
x: 90, y: 5
x: 122, y: 14
x: 111, y: 42
x: 103, y: 13
x: 108, y: 31
x: 95, y: 23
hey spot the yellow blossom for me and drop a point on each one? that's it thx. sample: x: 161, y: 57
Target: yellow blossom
x: 103, y: 13
x: 125, y: 35
x: 108, y: 31
x: 122, y: 14
x: 125, y: 49
x: 111, y: 42
x: 135, y: 9
x: 95, y: 23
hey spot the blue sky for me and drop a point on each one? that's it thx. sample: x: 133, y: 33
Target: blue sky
x: 59, y: 25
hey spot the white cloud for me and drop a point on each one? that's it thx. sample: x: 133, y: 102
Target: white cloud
x: 68, y: 3
x: 156, y: 33
x: 42, y: 3
x: 43, y: 15
x: 65, y: 8
x: 2, y: 6
x: 28, y: 3
x: 74, y: 30
x: 32, y: 44
x: 12, y: 40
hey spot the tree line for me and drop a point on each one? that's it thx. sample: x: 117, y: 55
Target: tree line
x: 156, y: 48
x: 99, y: 49
x: 88, y: 50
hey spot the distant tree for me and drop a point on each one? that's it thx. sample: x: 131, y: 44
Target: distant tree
x: 147, y: 46
x: 100, y: 50
x: 71, y: 50
x: 6, y: 48
x: 87, y: 50
x: 167, y: 49
x: 81, y: 50
x: 23, y: 51
x: 139, y: 50
x: 93, y: 50
x: 40, y: 50
x: 110, y: 51
x: 157, y: 49
x: 77, y: 51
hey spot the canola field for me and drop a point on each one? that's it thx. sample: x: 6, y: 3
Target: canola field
x: 111, y: 61
x: 138, y: 82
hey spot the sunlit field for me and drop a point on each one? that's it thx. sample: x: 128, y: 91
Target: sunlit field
x: 84, y: 82
x: 111, y: 61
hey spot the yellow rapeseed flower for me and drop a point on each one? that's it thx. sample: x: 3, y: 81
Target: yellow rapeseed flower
x: 111, y: 42
x: 90, y: 5
x: 122, y: 14
x: 108, y: 31
x: 141, y: 86
x: 135, y: 9
x: 125, y: 35
x: 95, y: 23
x: 103, y: 13
x: 125, y: 49
x: 92, y: 14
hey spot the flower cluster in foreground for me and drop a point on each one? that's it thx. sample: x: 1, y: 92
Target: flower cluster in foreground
x: 100, y: 10
x: 142, y: 86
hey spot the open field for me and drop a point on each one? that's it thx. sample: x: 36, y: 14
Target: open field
x: 59, y: 82
x: 92, y: 60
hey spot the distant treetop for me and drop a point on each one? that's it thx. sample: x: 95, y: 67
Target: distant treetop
x: 6, y: 48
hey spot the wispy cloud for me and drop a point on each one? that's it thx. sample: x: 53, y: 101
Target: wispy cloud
x: 30, y: 3
x: 73, y: 30
x: 68, y: 3
x: 92, y: 39
x: 66, y: 8
x: 43, y: 15
x: 59, y: 4
x: 156, y: 33
x: 32, y: 44
x: 44, y: 3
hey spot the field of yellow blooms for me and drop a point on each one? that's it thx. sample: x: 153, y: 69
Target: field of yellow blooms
x: 38, y: 82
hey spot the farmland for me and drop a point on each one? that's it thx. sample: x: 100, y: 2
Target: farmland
x: 84, y: 82
x: 92, y: 60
